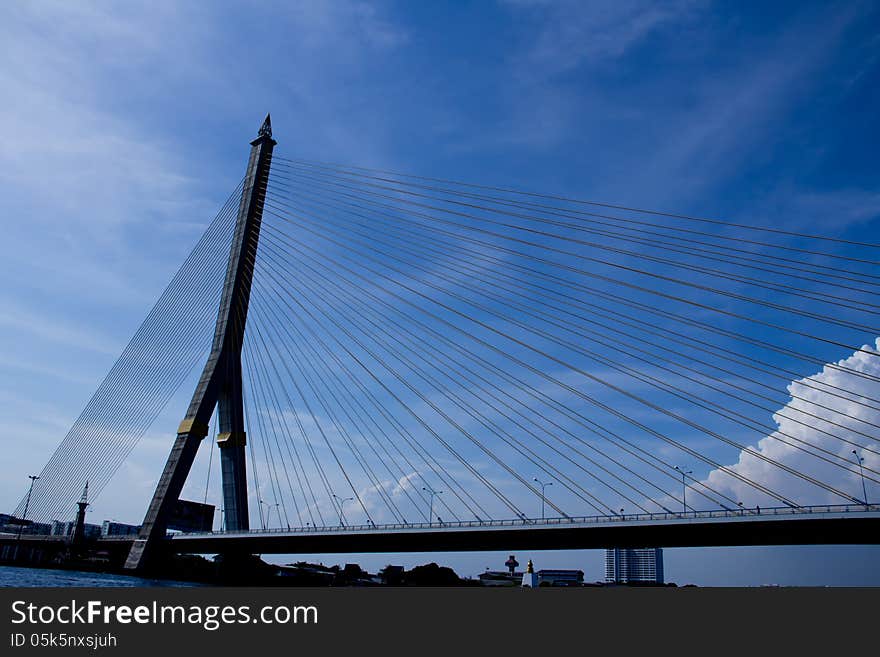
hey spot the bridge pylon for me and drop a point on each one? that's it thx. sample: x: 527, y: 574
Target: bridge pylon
x: 220, y: 385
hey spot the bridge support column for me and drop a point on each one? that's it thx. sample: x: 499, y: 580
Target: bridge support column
x: 234, y: 477
x: 220, y: 385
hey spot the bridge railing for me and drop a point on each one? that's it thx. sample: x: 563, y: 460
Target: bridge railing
x: 753, y: 513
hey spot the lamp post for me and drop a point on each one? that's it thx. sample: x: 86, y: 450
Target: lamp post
x: 861, y: 460
x: 341, y: 501
x: 684, y: 474
x: 27, y: 502
x: 431, y: 492
x: 264, y: 520
x: 543, y: 497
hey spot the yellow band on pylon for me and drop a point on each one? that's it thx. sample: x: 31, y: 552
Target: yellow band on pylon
x: 231, y: 438
x: 193, y: 428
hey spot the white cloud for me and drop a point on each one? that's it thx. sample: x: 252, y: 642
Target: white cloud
x: 800, y: 491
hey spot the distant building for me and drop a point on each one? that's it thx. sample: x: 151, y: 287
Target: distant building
x: 66, y: 529
x: 9, y: 524
x: 500, y: 578
x: 530, y: 578
x: 111, y: 528
x: 626, y: 565
x: 61, y: 528
x: 510, y: 577
x: 560, y: 577
x: 13, y: 525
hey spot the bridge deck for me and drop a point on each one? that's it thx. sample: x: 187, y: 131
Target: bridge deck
x: 826, y: 525
x: 852, y: 524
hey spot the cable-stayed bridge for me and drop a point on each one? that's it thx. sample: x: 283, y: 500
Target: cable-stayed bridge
x: 404, y: 363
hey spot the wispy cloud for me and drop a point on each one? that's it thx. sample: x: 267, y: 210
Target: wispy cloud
x: 819, y: 210
x: 570, y: 33
x: 52, y: 328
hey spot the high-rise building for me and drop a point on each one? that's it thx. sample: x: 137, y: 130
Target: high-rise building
x: 625, y: 565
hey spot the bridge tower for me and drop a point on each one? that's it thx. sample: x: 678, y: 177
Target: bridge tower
x: 220, y: 385
x: 79, y: 527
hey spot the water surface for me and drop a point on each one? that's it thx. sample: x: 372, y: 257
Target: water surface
x: 14, y: 576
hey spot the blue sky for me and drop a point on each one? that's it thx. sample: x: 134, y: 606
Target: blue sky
x: 125, y: 128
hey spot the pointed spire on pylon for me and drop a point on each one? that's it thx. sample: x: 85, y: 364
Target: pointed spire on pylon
x: 85, y: 496
x: 266, y: 128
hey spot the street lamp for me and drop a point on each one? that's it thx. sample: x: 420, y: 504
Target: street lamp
x: 432, y: 493
x: 543, y: 498
x: 265, y: 522
x: 341, y: 501
x: 860, y: 460
x: 27, y: 503
x: 684, y: 474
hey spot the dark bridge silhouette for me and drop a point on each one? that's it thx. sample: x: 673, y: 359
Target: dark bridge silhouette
x: 828, y: 525
x: 390, y: 347
x: 820, y: 525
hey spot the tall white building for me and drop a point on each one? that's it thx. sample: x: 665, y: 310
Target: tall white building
x: 624, y: 565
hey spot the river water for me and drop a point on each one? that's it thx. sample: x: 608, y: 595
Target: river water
x: 13, y: 576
